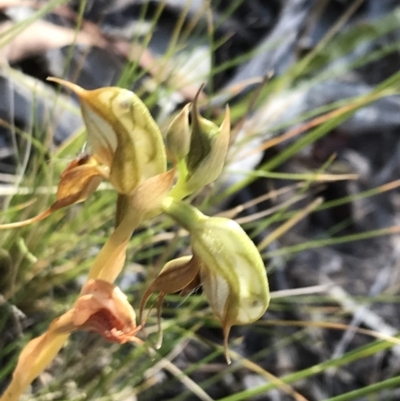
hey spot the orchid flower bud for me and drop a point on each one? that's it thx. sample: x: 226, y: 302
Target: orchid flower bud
x: 208, y: 149
x: 122, y: 134
x: 177, y: 139
x: 232, y: 271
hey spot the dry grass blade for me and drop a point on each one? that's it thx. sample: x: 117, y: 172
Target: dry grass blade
x: 269, y: 376
x: 332, y: 326
x: 165, y: 363
x: 231, y: 213
x: 289, y: 224
x: 299, y: 291
x: 271, y: 210
x: 302, y: 128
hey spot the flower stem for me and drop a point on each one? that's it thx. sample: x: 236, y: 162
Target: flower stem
x: 110, y: 260
x: 184, y: 214
x: 179, y: 191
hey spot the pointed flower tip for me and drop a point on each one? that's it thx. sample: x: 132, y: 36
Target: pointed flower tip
x: 197, y: 96
x: 227, y: 329
x: 73, y: 87
x: 208, y: 149
x: 226, y: 123
x: 27, y: 222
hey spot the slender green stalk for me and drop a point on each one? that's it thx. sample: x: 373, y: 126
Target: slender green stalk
x: 187, y: 216
x: 368, y: 390
x: 352, y: 356
x: 333, y: 241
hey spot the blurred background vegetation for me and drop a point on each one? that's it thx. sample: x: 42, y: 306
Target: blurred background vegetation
x: 314, y: 90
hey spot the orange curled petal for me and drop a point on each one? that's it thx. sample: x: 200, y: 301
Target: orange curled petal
x: 103, y: 308
x: 177, y: 275
x: 78, y: 181
x: 109, y: 327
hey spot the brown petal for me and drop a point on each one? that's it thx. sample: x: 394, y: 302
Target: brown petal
x: 149, y: 195
x: 78, y: 181
x: 177, y: 275
x: 146, y: 200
